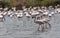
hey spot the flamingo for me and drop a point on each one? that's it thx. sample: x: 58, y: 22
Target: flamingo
x: 27, y: 14
x: 5, y: 9
x: 58, y: 10
x: 34, y: 13
x: 19, y: 15
x: 9, y: 13
x: 50, y: 15
x: 2, y: 18
x: 4, y: 13
x: 14, y: 8
x: 42, y: 22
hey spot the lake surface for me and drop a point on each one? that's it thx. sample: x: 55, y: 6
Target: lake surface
x: 26, y: 28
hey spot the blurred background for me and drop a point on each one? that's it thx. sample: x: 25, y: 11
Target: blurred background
x: 27, y: 3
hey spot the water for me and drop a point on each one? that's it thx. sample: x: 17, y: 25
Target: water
x: 24, y: 28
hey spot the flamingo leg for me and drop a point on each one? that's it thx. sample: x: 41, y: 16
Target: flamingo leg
x: 42, y: 27
x: 38, y: 28
x: 4, y: 18
x: 46, y: 26
x: 49, y: 26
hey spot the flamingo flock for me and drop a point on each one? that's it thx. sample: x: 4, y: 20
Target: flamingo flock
x: 41, y: 15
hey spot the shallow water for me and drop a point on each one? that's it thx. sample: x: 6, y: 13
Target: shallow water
x: 26, y: 28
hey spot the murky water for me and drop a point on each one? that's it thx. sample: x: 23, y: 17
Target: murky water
x: 26, y: 28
